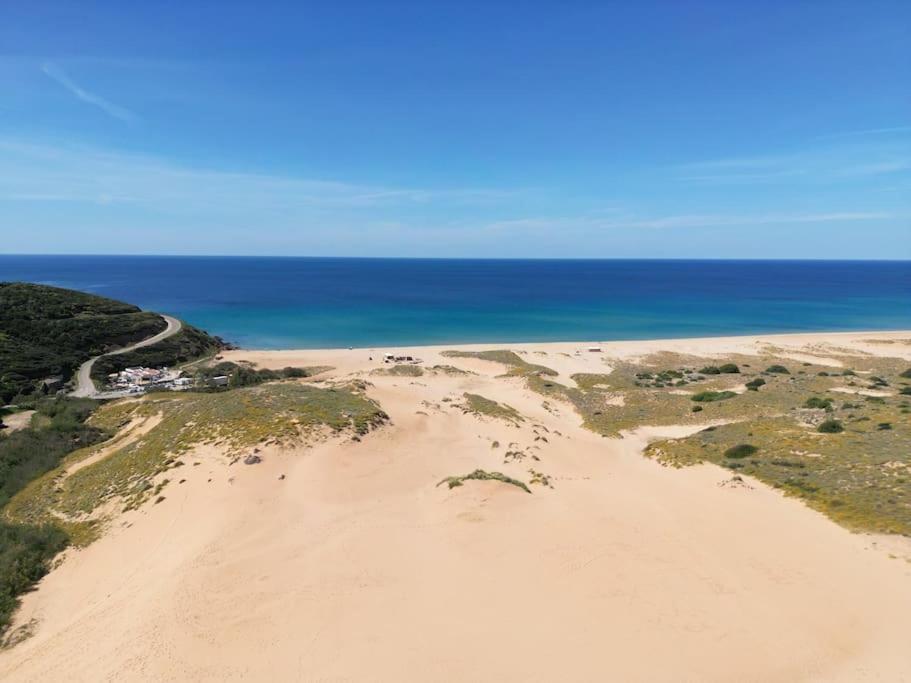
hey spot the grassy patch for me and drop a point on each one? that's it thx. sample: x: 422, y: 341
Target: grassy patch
x: 282, y: 413
x: 483, y: 475
x: 480, y: 405
x: 450, y: 370
x: 400, y: 371
x: 518, y: 366
x: 861, y: 478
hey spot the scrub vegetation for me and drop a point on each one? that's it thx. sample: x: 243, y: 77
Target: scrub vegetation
x: 245, y: 375
x: 48, y: 332
x: 60, y: 475
x: 26, y: 549
x: 479, y: 405
x: 847, y: 455
x: 400, y: 371
x: 483, y: 475
x: 518, y: 366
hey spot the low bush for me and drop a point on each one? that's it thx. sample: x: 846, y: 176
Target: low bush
x: 754, y: 384
x: 830, y: 427
x: 710, y: 396
x: 711, y: 370
x: 819, y: 403
x: 742, y: 450
x: 778, y: 370
x: 729, y: 369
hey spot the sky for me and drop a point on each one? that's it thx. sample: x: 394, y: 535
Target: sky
x: 765, y: 129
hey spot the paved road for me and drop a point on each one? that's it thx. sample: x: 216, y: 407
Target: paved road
x: 85, y: 387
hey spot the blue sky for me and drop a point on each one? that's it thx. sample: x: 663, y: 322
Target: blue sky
x: 565, y: 129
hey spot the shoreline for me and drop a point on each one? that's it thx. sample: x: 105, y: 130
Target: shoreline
x: 890, y: 333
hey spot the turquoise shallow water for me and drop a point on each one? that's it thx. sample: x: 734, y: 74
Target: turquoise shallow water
x: 333, y: 302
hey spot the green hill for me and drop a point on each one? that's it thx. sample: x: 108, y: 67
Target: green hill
x: 49, y: 331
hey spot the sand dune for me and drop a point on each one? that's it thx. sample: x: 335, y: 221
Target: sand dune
x: 357, y: 566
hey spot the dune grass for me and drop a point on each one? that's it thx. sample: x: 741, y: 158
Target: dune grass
x: 483, y: 475
x: 848, y: 466
x: 282, y: 413
x: 400, y: 371
x: 518, y: 366
x: 480, y: 405
x: 861, y: 476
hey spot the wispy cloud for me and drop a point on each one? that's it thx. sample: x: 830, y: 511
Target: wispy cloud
x: 868, y: 131
x: 820, y: 164
x: 41, y: 172
x: 59, y: 75
x: 684, y: 221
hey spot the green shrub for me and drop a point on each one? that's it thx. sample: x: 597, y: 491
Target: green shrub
x: 830, y: 427
x: 754, y: 384
x: 905, y: 391
x: 778, y: 370
x: 25, y: 555
x: 709, y: 396
x: 884, y: 426
x: 711, y: 370
x: 819, y: 403
x: 743, y: 450
x: 906, y: 374
x: 729, y: 369
x: 697, y: 409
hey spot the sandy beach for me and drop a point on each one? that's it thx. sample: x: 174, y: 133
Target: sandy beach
x: 345, y: 560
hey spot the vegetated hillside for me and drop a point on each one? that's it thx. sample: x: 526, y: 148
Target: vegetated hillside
x: 45, y: 506
x: 48, y: 331
x: 26, y: 550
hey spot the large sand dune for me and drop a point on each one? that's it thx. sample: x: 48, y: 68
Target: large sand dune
x: 357, y: 566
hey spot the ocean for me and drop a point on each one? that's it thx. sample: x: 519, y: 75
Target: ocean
x: 276, y: 303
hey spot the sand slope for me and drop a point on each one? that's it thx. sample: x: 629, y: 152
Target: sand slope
x: 356, y: 566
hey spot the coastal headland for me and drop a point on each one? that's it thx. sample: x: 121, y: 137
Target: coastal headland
x: 732, y: 508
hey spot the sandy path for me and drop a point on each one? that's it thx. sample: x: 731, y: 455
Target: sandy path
x: 85, y: 387
x: 17, y: 421
x: 357, y: 567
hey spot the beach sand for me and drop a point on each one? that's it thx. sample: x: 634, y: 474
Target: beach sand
x: 357, y: 566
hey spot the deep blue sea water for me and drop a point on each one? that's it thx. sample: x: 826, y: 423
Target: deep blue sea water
x: 335, y: 302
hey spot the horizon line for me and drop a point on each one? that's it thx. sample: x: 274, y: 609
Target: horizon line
x: 468, y: 258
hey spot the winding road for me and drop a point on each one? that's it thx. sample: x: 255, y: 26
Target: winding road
x: 85, y: 387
